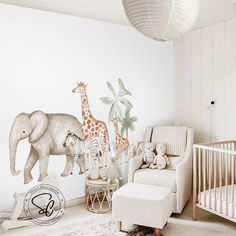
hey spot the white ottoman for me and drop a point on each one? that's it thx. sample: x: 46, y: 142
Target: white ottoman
x: 142, y: 204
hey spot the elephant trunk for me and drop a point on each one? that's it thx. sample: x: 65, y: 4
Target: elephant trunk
x: 12, y: 151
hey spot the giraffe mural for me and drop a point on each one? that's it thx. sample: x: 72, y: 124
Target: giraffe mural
x: 121, y: 143
x: 91, y: 126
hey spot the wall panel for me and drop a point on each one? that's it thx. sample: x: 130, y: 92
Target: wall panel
x: 207, y: 78
x: 208, y: 74
x: 178, y: 80
x: 186, y: 79
x: 230, y: 79
x: 196, y: 89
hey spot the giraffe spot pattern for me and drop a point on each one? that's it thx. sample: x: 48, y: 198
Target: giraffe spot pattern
x: 92, y: 127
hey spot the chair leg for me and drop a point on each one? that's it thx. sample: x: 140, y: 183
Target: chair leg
x: 157, y: 232
x: 119, y: 225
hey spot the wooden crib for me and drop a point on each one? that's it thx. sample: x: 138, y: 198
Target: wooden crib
x: 214, y: 178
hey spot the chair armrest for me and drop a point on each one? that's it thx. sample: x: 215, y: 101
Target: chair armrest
x: 184, y: 175
x: 184, y: 181
x: 134, y: 164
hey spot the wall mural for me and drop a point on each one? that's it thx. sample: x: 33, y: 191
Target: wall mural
x: 46, y: 133
x: 91, y: 126
x: 121, y: 143
x: 81, y: 150
x: 120, y: 112
x: 86, y: 144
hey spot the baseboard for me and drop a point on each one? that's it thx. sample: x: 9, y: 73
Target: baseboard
x: 69, y: 203
x: 75, y: 202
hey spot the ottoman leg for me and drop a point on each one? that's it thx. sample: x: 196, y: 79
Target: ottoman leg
x: 157, y: 232
x: 119, y: 224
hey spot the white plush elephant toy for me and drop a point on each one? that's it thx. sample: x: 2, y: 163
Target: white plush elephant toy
x: 148, y: 155
x: 46, y: 133
x: 161, y: 160
x: 112, y: 174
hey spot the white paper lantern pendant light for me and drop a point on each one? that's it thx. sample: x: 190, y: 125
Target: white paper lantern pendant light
x: 162, y: 20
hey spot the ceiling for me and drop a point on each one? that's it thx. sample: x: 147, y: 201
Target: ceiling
x: 211, y: 11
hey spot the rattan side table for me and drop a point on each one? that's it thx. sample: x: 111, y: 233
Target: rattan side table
x: 99, y: 194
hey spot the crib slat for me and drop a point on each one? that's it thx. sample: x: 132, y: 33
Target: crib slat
x: 199, y: 169
x: 194, y: 181
x: 210, y: 176
x: 226, y: 184
x: 214, y: 161
x: 207, y: 168
x: 232, y: 185
x: 204, y: 175
x: 220, y: 175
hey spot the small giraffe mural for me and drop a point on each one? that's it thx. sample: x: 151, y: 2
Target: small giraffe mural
x: 121, y: 143
x: 91, y: 126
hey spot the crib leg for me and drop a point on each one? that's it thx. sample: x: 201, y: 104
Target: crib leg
x: 119, y: 225
x: 194, y: 205
x: 194, y: 211
x: 194, y: 182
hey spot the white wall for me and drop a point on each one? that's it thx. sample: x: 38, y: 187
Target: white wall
x: 205, y: 70
x: 43, y: 55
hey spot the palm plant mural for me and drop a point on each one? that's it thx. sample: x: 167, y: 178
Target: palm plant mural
x: 127, y: 123
x: 120, y: 107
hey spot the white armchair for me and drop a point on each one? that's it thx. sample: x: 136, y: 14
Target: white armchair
x: 178, y: 177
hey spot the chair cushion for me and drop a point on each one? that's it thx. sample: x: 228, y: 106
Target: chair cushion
x: 174, y: 161
x: 162, y: 178
x: 174, y: 137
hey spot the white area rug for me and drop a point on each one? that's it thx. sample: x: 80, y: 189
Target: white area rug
x: 98, y: 225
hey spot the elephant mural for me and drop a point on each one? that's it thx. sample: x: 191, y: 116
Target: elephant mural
x: 46, y: 133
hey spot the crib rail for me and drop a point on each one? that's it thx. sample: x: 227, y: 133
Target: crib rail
x: 214, y: 178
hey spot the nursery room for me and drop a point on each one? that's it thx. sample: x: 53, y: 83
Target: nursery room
x: 119, y: 117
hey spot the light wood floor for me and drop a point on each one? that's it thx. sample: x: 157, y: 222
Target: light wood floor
x: 206, y: 225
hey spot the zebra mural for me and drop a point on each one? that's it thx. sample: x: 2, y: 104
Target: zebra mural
x: 80, y: 149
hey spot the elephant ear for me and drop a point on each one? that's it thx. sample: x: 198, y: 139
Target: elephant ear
x: 39, y: 122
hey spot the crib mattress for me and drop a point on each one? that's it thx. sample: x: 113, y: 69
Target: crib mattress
x: 221, y: 206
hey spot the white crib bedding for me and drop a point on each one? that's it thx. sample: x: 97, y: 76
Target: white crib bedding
x: 221, y: 206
